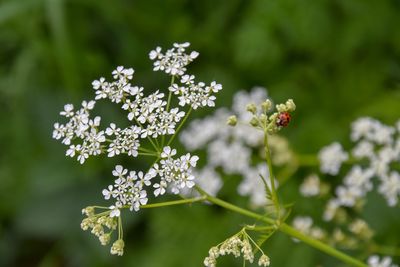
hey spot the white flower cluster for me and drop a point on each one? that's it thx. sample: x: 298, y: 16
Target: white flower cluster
x: 152, y: 117
x: 130, y: 187
x: 237, y: 245
x: 80, y: 127
x: 376, y: 151
x: 151, y: 114
x: 189, y: 92
x: 174, y: 60
x: 331, y: 158
x: 304, y: 224
x: 311, y: 186
x: 223, y: 141
x: 375, y: 261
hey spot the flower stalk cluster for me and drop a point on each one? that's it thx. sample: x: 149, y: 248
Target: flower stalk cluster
x: 240, y: 244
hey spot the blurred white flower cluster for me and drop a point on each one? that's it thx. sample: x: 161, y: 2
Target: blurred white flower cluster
x: 375, y: 153
x: 231, y: 148
x: 374, y: 261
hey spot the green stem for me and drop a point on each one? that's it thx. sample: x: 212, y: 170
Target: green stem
x: 148, y: 154
x: 147, y: 150
x: 386, y: 250
x: 180, y: 126
x: 168, y: 106
x: 284, y: 228
x: 271, y: 173
x: 174, y: 202
x: 234, y: 208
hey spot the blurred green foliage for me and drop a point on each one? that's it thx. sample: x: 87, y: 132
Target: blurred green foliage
x: 339, y: 59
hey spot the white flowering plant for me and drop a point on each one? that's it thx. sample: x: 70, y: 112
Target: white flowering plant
x: 243, y: 141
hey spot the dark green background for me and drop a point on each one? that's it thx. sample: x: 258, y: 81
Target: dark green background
x: 339, y: 59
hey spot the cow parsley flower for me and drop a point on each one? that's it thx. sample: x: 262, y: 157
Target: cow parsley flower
x: 311, y: 186
x: 375, y: 261
x: 151, y: 117
x: 175, y: 173
x: 376, y: 150
x: 331, y: 158
x: 174, y: 60
x: 151, y: 114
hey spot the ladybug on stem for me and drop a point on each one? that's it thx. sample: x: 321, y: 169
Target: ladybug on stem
x: 283, y: 119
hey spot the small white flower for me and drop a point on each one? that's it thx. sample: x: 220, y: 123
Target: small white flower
x: 390, y: 188
x: 168, y: 152
x: 311, y: 186
x: 160, y: 188
x: 119, y: 171
x: 107, y: 193
x: 115, y: 212
x: 331, y: 209
x: 88, y: 105
x: 68, y: 111
x: 112, y: 129
x: 155, y: 53
x: 303, y: 224
x: 331, y: 158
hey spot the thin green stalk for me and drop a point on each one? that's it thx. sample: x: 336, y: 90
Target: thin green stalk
x: 147, y: 150
x: 284, y: 228
x: 271, y: 173
x: 168, y: 106
x: 234, y: 208
x: 386, y: 250
x: 148, y: 154
x: 174, y: 202
x: 170, y: 93
x: 180, y: 126
x: 148, y: 137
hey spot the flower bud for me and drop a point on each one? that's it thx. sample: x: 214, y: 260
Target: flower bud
x: 251, y: 108
x: 281, y: 108
x: 263, y: 119
x: 232, y: 120
x: 105, y: 238
x: 118, y: 247
x: 266, y: 105
x: 254, y: 122
x: 290, y: 105
x: 264, y: 261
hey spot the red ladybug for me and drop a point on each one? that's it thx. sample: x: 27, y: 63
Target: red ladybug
x: 283, y: 119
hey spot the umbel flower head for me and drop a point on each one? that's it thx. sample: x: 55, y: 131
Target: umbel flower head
x: 373, y: 158
x: 152, y: 118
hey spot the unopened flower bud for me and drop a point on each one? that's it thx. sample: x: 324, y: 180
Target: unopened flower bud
x: 263, y: 119
x: 281, y: 108
x: 232, y: 120
x: 105, y: 238
x: 251, y: 108
x: 88, y: 211
x: 266, y: 105
x: 290, y: 105
x: 264, y: 261
x: 118, y: 247
x: 254, y: 122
